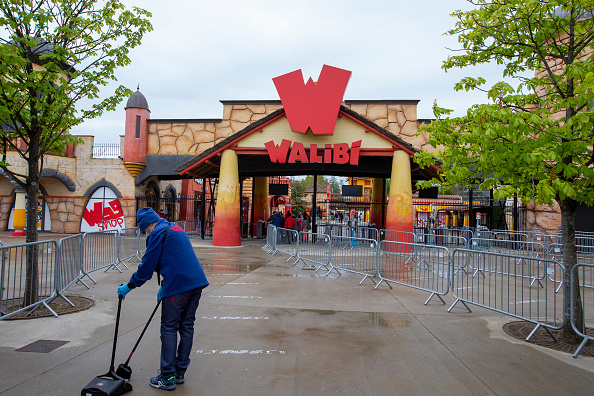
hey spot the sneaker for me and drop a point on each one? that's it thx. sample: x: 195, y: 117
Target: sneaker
x: 160, y: 382
x: 179, y: 379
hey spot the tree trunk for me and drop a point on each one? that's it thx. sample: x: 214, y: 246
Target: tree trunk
x: 568, y: 208
x: 32, y: 189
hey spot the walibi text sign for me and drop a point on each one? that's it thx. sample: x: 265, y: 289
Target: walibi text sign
x: 292, y: 152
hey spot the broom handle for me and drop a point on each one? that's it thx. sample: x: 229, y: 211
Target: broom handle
x: 115, y: 337
x: 141, y: 334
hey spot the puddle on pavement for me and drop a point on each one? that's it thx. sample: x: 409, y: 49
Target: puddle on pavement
x: 294, y: 275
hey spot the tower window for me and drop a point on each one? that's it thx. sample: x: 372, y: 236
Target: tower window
x: 137, y: 127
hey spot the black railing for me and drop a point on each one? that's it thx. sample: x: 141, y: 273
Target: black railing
x: 106, y: 150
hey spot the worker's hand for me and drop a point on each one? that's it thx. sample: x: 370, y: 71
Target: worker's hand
x: 123, y: 290
x: 159, y: 294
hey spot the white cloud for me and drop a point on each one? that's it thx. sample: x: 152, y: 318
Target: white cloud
x: 201, y: 52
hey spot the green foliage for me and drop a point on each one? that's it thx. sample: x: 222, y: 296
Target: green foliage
x: 534, y: 139
x: 52, y: 55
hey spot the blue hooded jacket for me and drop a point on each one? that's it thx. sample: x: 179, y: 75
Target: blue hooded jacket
x: 180, y: 268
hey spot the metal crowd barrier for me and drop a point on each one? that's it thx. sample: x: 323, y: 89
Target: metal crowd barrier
x: 270, y: 239
x: 415, y: 265
x: 582, y: 277
x: 502, y: 283
x: 399, y: 236
x: 314, y: 248
x: 71, y: 250
x: 100, y: 252
x: 287, y: 242
x: 356, y: 255
x: 192, y: 228
x: 585, y: 255
x: 14, y: 279
x: 128, y: 245
x: 509, y: 246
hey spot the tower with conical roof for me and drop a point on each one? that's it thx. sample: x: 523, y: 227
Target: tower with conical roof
x: 136, y: 133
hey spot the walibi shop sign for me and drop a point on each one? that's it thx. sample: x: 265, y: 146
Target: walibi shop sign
x: 314, y: 107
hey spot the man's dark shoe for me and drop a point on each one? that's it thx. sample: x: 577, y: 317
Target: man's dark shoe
x: 179, y: 379
x: 160, y: 382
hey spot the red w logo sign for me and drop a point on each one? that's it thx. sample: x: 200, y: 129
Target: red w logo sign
x: 313, y: 105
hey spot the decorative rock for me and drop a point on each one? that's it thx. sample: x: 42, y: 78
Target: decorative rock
x: 227, y: 112
x: 401, y: 118
x: 71, y: 227
x: 243, y: 116
x: 392, y: 115
x: 222, y: 133
x: 178, y: 129
x: 376, y: 112
x: 167, y: 140
x: 359, y: 108
x: 548, y: 220
x: 203, y: 136
x: 238, y: 126
x: 410, y: 111
x: 409, y: 129
x: 257, y: 109
x: 183, y: 145
x: 168, y: 149
x: 382, y: 122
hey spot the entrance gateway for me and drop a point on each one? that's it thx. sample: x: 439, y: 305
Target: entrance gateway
x: 312, y: 134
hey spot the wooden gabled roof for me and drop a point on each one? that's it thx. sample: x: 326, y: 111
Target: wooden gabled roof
x: 255, y: 162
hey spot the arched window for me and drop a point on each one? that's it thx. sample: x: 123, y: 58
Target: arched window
x: 103, y: 212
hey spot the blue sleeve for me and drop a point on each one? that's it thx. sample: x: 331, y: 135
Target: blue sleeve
x: 146, y: 269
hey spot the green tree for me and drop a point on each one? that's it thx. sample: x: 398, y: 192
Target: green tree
x: 535, y: 138
x: 52, y: 55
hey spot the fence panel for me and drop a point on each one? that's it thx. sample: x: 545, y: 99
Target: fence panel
x: 509, y: 246
x: 128, y: 245
x: 582, y: 277
x: 192, y: 228
x: 270, y: 245
x: 356, y: 255
x: 503, y: 283
x: 400, y: 236
x: 71, y: 263
x: 287, y: 242
x: 100, y: 251
x: 415, y: 265
x: 314, y: 248
x: 14, y: 278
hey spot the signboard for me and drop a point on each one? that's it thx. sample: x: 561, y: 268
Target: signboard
x: 103, y: 212
x: 313, y: 106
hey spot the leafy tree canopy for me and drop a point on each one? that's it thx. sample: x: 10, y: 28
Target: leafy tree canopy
x: 52, y: 55
x: 534, y: 138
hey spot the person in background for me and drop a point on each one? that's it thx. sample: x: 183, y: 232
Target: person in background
x: 289, y: 224
x: 277, y: 220
x: 170, y: 253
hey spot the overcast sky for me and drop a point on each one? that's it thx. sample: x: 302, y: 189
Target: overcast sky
x: 201, y: 52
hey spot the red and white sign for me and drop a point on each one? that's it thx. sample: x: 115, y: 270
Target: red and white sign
x: 314, y: 105
x: 337, y: 153
x: 103, y: 212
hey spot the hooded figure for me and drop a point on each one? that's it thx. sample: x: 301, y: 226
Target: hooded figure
x: 170, y: 252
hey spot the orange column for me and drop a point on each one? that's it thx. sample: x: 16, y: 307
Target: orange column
x: 260, y: 200
x: 399, y: 216
x: 376, y: 202
x: 226, y: 231
x: 19, y: 220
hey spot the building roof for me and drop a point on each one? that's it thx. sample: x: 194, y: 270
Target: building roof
x: 137, y: 101
x: 207, y: 163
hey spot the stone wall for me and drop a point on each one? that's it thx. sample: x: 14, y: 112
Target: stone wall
x: 169, y: 138
x: 66, y: 207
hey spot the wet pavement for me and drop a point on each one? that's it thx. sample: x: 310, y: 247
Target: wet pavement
x: 266, y: 328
